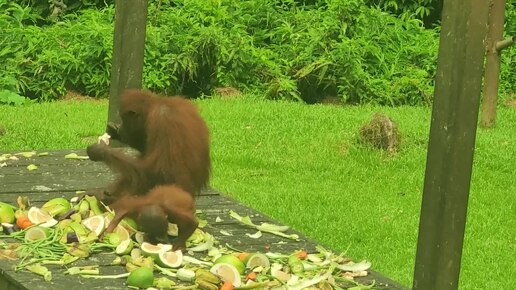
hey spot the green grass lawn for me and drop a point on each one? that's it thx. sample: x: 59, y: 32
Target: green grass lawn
x: 301, y: 165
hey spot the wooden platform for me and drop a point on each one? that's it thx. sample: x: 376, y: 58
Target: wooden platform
x: 57, y: 176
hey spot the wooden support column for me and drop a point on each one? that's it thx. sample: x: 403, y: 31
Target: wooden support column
x: 451, y: 145
x: 128, y: 51
x: 492, y: 71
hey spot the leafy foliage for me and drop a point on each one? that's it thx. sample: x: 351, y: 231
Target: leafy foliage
x: 11, y: 98
x: 282, y: 49
x: 429, y: 11
x: 46, y: 61
x: 290, y: 51
x: 54, y: 10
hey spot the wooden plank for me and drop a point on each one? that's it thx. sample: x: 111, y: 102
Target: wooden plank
x: 212, y: 204
x: 56, y: 174
x: 56, y: 157
x: 46, y: 195
x: 451, y: 145
x: 15, y: 189
x: 206, y: 204
x: 13, y: 170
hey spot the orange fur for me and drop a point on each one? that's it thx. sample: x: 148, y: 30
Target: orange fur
x: 173, y: 140
x: 177, y: 204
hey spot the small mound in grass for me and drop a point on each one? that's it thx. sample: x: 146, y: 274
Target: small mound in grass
x: 76, y: 96
x: 227, y: 92
x: 332, y: 100
x: 509, y: 103
x: 381, y: 132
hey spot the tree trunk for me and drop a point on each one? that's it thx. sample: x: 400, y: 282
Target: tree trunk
x: 451, y: 145
x: 128, y: 51
x: 492, y: 69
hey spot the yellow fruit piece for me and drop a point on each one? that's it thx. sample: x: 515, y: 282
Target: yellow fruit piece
x: 75, y: 156
x: 122, y: 233
x: 256, y: 260
x: 151, y: 250
x: 172, y: 230
x: 120, y: 229
x: 125, y: 247
x: 170, y: 259
x: 95, y: 224
x: 36, y: 233
x: 40, y: 217
x: 27, y: 154
x: 31, y: 167
x: 227, y: 272
x: 232, y: 260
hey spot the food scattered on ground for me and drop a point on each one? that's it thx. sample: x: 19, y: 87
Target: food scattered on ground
x: 36, y: 233
x: 142, y: 277
x: 75, y: 156
x: 7, y: 159
x: 40, y: 217
x: 6, y: 213
x: 264, y: 227
x: 104, y: 139
x: 32, y: 167
x: 63, y: 232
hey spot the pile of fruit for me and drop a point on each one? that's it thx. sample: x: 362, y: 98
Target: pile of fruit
x: 61, y: 232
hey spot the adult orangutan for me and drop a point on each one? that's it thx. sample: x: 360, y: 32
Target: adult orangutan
x: 172, y: 138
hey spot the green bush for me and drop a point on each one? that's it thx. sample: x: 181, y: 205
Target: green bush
x: 282, y: 49
x: 54, y: 10
x: 429, y: 11
x: 290, y: 51
x: 47, y: 61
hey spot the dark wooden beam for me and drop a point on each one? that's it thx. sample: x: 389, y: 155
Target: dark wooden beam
x: 492, y: 70
x: 451, y: 145
x: 128, y: 50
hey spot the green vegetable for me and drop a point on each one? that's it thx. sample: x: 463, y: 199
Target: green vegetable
x: 88, y: 270
x: 123, y: 275
x: 264, y: 227
x: 75, y: 156
x: 32, y: 167
x: 40, y: 270
x: 94, y: 204
x: 142, y: 277
x: 295, y: 264
x: 186, y: 275
x: 27, y: 154
x: 163, y: 283
x: 56, y: 206
x: 6, y: 213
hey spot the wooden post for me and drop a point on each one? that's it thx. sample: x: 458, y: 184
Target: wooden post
x: 492, y: 70
x: 451, y: 145
x: 128, y: 51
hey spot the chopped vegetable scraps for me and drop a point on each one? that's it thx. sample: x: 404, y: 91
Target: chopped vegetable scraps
x: 206, y: 264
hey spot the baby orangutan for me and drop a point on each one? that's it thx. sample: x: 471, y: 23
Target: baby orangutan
x: 163, y: 204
